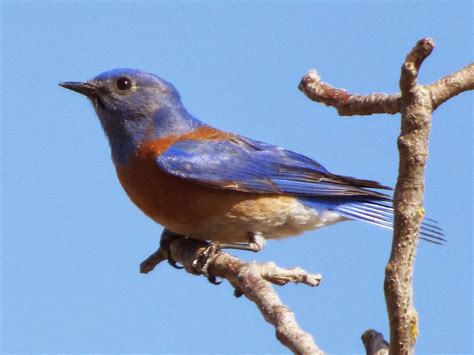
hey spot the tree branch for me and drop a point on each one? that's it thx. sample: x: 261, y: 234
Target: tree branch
x: 252, y: 280
x: 345, y: 103
x: 416, y: 104
x: 452, y: 85
x: 416, y: 112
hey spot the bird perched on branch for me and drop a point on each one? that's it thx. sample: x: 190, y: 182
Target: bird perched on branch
x: 198, y: 181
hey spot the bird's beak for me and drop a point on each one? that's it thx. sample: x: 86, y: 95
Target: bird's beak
x: 86, y: 88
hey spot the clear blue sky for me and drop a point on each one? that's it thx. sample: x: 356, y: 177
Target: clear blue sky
x: 72, y: 241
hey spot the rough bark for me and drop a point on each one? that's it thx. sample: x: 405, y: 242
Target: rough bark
x: 416, y: 110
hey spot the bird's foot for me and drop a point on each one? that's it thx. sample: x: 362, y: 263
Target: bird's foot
x: 201, y: 263
x: 255, y: 243
x: 167, y: 238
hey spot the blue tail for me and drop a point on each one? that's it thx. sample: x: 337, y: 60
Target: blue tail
x: 379, y: 213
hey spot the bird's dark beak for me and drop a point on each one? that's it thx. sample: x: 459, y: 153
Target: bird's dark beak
x: 82, y: 88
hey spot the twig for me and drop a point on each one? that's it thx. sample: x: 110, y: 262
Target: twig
x: 374, y: 343
x: 452, y: 85
x: 252, y: 280
x: 345, y: 103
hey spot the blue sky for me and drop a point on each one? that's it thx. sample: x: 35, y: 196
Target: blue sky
x: 72, y: 241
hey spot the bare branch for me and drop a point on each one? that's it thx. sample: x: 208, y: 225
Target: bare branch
x: 452, y: 85
x: 412, y: 63
x: 374, y: 343
x: 416, y: 104
x: 252, y: 280
x: 416, y: 110
x: 347, y: 104
x: 153, y: 260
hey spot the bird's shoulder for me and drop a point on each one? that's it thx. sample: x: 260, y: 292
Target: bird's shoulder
x: 156, y: 147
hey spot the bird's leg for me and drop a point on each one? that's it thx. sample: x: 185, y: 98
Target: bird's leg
x: 256, y: 243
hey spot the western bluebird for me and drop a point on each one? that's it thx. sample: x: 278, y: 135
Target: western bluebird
x: 198, y: 181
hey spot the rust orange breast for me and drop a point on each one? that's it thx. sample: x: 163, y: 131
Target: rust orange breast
x: 175, y: 203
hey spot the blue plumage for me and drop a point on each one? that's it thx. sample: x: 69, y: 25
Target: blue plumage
x: 252, y: 166
x: 379, y: 213
x: 155, y: 141
x: 247, y: 165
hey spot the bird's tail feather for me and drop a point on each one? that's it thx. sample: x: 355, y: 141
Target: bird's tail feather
x: 380, y: 213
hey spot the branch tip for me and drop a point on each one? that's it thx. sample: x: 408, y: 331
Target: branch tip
x: 374, y: 343
x: 347, y: 104
x: 412, y: 63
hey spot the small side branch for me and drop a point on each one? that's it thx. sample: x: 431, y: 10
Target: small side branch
x: 345, y: 103
x: 251, y: 279
x: 452, y: 85
x: 412, y: 64
x: 374, y: 343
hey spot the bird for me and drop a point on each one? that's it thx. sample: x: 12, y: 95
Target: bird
x: 204, y: 183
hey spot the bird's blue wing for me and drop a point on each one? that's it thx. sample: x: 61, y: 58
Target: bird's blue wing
x: 251, y: 166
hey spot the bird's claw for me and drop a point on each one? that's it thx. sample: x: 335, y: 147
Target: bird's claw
x: 173, y: 263
x: 166, y: 238
x: 213, y: 280
x: 201, y: 263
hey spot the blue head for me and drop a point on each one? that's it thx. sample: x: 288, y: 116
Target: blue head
x: 134, y: 106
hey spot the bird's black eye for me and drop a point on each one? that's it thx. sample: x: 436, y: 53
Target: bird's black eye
x: 123, y: 83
